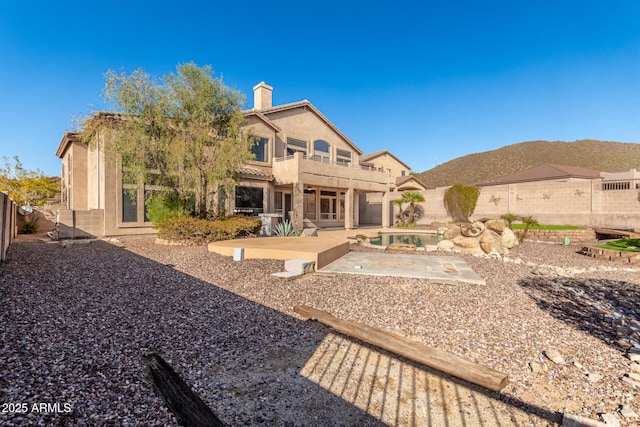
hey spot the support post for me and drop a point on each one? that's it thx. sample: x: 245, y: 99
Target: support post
x: 386, y: 211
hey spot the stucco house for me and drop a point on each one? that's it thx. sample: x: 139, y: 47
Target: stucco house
x: 304, y: 169
x: 386, y: 161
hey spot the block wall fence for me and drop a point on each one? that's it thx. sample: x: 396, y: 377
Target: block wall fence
x: 8, y: 228
x: 581, y: 203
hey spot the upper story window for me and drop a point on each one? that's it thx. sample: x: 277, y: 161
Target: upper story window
x: 403, y: 173
x: 343, y: 157
x: 296, y: 145
x: 260, y: 149
x: 321, y: 150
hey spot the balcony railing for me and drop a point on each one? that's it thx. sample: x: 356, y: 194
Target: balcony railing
x: 327, y: 160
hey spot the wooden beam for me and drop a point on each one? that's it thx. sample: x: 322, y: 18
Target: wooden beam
x: 437, y: 359
x: 186, y: 405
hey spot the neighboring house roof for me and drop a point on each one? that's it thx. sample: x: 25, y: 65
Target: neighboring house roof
x: 305, y: 105
x: 543, y: 173
x: 368, y: 157
x: 406, y: 181
x: 67, y: 139
x: 255, y: 173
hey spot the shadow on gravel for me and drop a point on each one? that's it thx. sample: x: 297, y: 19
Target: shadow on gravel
x: 77, y: 321
x: 594, y: 306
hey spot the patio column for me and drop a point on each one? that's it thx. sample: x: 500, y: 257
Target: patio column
x: 386, y: 214
x: 356, y: 209
x: 348, y: 209
x: 298, y: 206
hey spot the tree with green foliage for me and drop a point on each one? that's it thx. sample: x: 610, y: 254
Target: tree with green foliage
x: 528, y: 222
x: 26, y: 187
x: 460, y: 202
x: 510, y: 218
x: 399, y: 203
x: 412, y: 197
x: 184, y: 131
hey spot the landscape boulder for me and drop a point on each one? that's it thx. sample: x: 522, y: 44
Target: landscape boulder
x: 496, y: 225
x: 401, y: 247
x: 472, y: 230
x: 509, y: 238
x: 491, y: 242
x: 489, y: 236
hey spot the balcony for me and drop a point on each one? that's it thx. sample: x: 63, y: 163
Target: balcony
x: 321, y: 171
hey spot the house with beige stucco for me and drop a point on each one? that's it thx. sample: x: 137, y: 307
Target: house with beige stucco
x: 304, y: 169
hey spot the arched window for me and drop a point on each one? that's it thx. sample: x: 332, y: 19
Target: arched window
x: 321, y: 151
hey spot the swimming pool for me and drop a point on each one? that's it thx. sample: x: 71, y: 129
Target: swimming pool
x: 415, y: 239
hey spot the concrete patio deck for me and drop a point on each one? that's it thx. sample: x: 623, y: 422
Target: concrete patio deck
x: 438, y: 269
x: 321, y: 250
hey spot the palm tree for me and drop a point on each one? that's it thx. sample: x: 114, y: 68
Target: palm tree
x: 528, y: 221
x: 399, y: 203
x: 412, y: 197
x: 509, y: 218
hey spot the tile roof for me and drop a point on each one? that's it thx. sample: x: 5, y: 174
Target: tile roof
x: 543, y: 173
x: 255, y: 173
x: 367, y: 157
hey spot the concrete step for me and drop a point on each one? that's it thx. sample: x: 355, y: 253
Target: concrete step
x: 286, y: 275
x: 299, y: 266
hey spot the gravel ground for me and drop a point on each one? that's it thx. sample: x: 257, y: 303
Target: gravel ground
x: 76, y: 321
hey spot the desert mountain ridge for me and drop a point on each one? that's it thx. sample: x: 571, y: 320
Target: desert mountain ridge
x: 604, y: 156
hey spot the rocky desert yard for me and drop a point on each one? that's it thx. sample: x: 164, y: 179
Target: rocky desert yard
x: 76, y: 321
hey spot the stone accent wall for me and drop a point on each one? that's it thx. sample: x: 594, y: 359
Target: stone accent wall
x: 586, y: 235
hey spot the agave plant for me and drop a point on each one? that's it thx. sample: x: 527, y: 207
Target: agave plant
x: 285, y: 228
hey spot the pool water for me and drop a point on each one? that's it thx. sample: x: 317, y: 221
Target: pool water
x: 416, y: 239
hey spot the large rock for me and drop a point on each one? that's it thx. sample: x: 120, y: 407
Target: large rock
x: 452, y: 232
x: 472, y: 230
x: 470, y: 243
x: 445, y: 245
x: 491, y: 242
x: 509, y: 238
x: 494, y: 224
x: 401, y: 247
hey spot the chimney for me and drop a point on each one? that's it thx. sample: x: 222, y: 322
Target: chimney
x: 262, y: 96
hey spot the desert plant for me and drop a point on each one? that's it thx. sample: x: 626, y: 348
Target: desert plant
x: 29, y: 227
x: 509, y: 218
x: 399, y: 203
x: 165, y: 205
x: 196, y: 230
x: 460, y: 202
x: 528, y: 222
x: 285, y: 228
x: 412, y: 197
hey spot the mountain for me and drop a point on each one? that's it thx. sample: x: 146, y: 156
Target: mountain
x: 599, y: 155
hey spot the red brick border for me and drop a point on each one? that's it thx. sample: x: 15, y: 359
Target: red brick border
x: 612, y: 255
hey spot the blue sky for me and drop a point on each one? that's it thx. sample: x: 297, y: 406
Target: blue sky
x: 427, y: 80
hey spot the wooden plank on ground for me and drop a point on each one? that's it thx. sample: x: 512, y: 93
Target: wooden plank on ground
x: 437, y: 359
x: 188, y: 408
x: 616, y: 233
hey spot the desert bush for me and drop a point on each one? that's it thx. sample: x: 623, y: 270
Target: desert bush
x: 195, y: 230
x: 29, y: 227
x: 162, y: 206
x: 460, y: 202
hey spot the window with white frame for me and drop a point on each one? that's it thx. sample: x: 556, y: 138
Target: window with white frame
x: 343, y: 157
x: 296, y: 145
x: 321, y: 151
